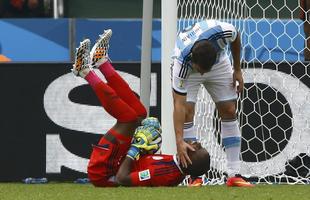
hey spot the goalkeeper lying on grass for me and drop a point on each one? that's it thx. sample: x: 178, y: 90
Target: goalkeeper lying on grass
x: 124, y: 155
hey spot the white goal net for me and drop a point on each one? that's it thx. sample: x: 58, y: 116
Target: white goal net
x: 274, y: 108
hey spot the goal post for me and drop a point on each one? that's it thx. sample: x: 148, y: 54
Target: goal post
x: 273, y: 109
x: 168, y: 34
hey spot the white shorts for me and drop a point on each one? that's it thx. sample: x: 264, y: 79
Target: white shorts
x: 218, y: 82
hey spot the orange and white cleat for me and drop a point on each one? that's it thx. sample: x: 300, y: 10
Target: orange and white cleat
x: 99, y: 52
x: 238, y: 181
x: 82, y: 59
x: 195, y: 182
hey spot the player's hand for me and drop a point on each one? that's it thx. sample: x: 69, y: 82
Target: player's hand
x: 142, y: 143
x: 151, y: 122
x: 138, y: 145
x: 143, y: 137
x: 182, y: 148
x: 237, y: 77
x: 147, y: 133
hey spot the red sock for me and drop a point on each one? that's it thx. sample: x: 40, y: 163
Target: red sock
x: 110, y: 100
x: 107, y: 69
x: 122, y: 88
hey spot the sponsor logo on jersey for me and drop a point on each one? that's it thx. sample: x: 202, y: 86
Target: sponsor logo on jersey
x: 144, y: 175
x: 181, y: 84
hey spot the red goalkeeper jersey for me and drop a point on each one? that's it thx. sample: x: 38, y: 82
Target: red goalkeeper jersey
x: 149, y: 170
x: 156, y: 170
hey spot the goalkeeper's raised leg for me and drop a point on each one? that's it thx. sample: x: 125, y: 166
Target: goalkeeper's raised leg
x: 124, y: 155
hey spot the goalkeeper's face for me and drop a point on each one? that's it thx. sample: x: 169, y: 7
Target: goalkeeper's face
x: 200, y: 160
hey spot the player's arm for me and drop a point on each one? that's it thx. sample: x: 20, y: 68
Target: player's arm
x: 235, y: 46
x: 235, y: 51
x: 178, y: 114
x: 179, y: 110
x: 126, y: 177
x: 123, y: 175
x: 140, y: 144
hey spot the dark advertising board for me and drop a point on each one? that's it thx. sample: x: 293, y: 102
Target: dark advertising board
x: 49, y: 119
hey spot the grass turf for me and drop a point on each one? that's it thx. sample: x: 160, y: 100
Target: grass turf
x: 67, y: 191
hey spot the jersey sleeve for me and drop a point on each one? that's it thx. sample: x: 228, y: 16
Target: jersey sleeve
x: 229, y: 32
x: 179, y: 77
x: 178, y: 51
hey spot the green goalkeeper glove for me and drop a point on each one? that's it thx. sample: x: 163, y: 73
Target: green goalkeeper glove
x: 149, y: 134
x: 140, y: 144
x: 151, y: 122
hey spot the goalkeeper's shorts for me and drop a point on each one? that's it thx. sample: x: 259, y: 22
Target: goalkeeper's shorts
x: 106, y: 158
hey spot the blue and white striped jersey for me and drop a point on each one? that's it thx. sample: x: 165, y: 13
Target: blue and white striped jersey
x: 220, y: 34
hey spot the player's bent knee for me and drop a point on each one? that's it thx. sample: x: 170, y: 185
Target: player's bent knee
x: 227, y: 110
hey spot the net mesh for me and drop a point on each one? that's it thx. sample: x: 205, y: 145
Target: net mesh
x: 273, y: 109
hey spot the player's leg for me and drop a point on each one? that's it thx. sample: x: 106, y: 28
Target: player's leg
x: 105, y: 156
x: 109, y: 99
x: 219, y: 86
x: 122, y: 89
x: 100, y: 59
x: 107, y: 96
x: 231, y: 135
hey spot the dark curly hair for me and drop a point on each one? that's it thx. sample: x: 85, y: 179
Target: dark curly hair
x: 200, y: 162
x: 204, y: 54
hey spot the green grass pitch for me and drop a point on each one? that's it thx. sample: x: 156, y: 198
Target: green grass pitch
x: 68, y: 191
